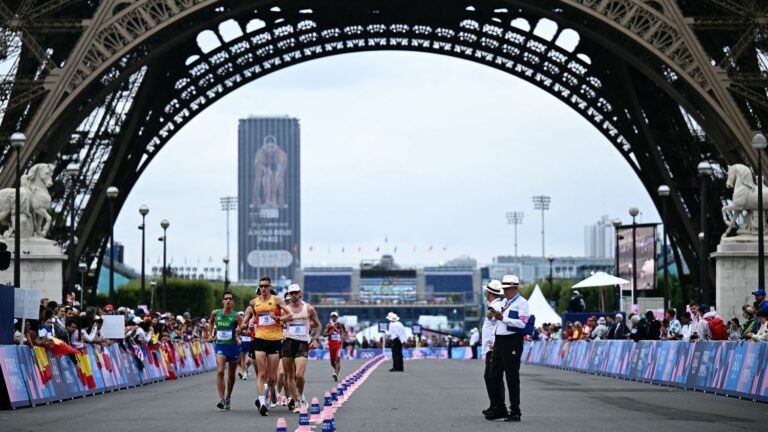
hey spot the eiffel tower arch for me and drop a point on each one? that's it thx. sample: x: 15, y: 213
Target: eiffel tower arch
x: 107, y: 83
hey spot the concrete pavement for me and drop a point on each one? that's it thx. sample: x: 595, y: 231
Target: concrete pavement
x: 431, y: 395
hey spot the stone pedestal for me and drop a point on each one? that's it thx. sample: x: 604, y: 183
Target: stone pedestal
x: 42, y: 266
x: 736, y: 274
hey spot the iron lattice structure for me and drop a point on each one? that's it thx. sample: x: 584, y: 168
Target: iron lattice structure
x: 107, y: 83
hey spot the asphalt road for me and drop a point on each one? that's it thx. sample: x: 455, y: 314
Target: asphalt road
x: 429, y: 396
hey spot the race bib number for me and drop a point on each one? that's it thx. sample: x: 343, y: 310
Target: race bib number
x: 297, y: 329
x: 245, y: 338
x: 266, y: 320
x: 224, y: 335
x: 335, y: 337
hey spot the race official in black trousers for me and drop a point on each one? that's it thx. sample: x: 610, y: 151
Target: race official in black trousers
x: 396, y: 336
x: 493, y: 296
x: 508, y: 349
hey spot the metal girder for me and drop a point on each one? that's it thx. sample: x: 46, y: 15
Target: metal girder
x: 92, y: 105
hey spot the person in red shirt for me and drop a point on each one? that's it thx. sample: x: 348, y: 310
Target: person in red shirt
x: 335, y: 332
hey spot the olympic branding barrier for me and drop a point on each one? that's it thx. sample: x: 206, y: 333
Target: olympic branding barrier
x: 113, y: 367
x: 457, y: 353
x: 727, y: 368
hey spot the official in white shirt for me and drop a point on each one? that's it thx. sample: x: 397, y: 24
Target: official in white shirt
x: 493, y: 300
x: 396, y: 336
x: 508, y: 348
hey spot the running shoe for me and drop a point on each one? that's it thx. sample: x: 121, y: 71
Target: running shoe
x: 291, y: 404
x: 303, y: 402
x: 220, y: 405
x: 263, y: 410
x: 335, y: 377
x: 274, y: 398
x: 283, y: 400
x: 257, y: 403
x: 227, y: 405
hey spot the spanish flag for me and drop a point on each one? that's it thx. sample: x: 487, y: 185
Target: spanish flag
x: 60, y: 348
x: 84, y: 370
x: 41, y: 360
x: 168, y: 358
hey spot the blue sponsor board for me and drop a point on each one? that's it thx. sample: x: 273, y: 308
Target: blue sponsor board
x: 13, y: 380
x: 732, y: 368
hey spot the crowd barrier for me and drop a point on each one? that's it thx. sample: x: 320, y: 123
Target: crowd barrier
x: 727, y: 368
x: 457, y: 353
x: 36, y: 376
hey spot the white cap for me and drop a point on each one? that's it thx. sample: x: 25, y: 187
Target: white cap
x: 138, y: 320
x: 292, y: 288
x: 393, y: 316
x: 334, y: 313
x: 179, y: 318
x: 509, y: 281
x: 121, y: 309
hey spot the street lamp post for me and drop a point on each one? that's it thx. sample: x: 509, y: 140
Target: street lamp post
x: 17, y: 142
x: 112, y: 193
x: 83, y: 268
x: 634, y: 211
x: 226, y: 274
x: 551, y: 260
x: 705, y: 170
x: 228, y: 203
x: 165, y: 224
x: 617, y: 225
x: 152, y: 286
x: 664, y: 192
x: 515, y: 218
x: 541, y: 202
x: 143, y: 211
x: 72, y: 171
x: 759, y: 143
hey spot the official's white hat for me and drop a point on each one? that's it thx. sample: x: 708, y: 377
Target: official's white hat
x: 494, y: 287
x: 393, y: 316
x: 509, y: 281
x: 292, y: 288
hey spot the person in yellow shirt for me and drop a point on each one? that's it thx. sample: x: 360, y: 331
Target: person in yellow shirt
x: 266, y: 312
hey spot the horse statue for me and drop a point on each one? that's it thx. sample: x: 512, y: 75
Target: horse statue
x: 744, y: 200
x: 35, y: 203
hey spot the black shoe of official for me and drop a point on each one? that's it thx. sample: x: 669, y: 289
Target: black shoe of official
x: 512, y: 417
x: 496, y: 414
x: 488, y: 410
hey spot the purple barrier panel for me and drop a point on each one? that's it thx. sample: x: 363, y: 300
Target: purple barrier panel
x: 748, y: 377
x: 319, y: 354
x: 674, y: 362
x: 640, y: 359
x: 70, y: 377
x: 12, y: 377
x: 554, y: 353
x: 701, y: 372
x: 97, y: 369
x: 598, y: 356
x: 39, y: 393
x: 132, y: 364
x: 625, y: 351
x: 60, y: 388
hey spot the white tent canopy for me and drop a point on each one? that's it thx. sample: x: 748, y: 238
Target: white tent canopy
x: 600, y: 279
x: 539, y: 307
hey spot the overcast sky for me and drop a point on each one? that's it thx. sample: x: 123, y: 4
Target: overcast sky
x: 422, y: 149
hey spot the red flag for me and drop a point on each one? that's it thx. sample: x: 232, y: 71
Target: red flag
x: 59, y: 348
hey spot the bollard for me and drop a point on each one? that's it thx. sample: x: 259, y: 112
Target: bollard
x: 281, y: 427
x: 303, y: 421
x: 315, y: 411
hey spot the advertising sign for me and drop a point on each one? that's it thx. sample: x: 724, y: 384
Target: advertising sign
x: 268, y: 197
x: 645, y: 260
